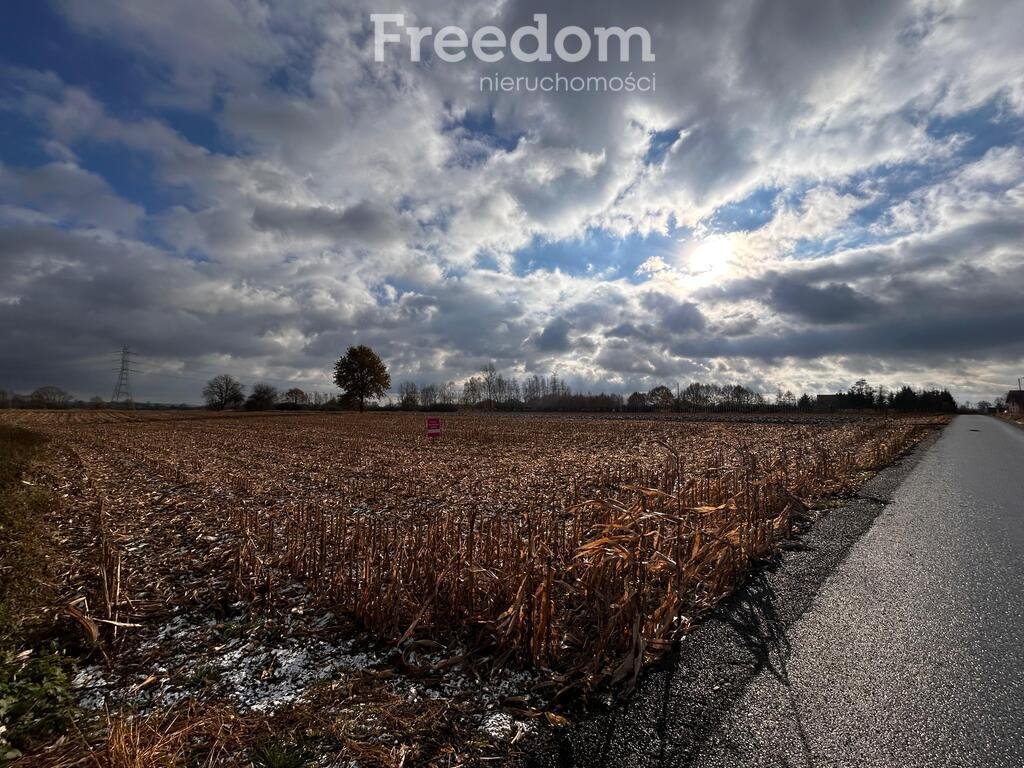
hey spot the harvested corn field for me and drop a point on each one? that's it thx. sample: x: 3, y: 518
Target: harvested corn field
x: 547, y: 557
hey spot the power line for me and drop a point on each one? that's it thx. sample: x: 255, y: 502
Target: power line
x: 122, y: 389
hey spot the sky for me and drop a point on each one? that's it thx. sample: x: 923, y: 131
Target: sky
x: 815, y: 192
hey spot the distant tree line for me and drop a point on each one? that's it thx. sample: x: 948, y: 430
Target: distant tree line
x: 47, y: 397
x: 364, y: 379
x: 51, y: 397
x: 491, y: 390
x: 225, y: 392
x: 863, y: 396
x: 359, y: 372
x: 705, y: 397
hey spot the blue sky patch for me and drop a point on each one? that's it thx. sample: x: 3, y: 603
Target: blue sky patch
x: 983, y: 128
x: 21, y: 141
x: 661, y: 142
x: 597, y: 251
x: 130, y: 174
x: 752, y: 212
x: 481, y: 125
x: 34, y: 36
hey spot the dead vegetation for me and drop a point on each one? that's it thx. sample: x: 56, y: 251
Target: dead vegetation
x: 581, y: 548
x: 577, y: 549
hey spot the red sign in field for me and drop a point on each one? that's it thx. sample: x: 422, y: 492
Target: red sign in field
x: 433, y: 426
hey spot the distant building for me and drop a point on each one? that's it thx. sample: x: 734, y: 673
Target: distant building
x: 1015, y: 402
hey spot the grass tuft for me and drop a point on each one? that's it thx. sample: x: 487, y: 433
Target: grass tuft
x: 275, y: 753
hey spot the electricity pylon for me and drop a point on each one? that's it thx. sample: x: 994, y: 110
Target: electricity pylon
x: 122, y: 390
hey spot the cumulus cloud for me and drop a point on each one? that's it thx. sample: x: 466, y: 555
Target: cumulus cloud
x: 364, y: 222
x: 296, y: 196
x: 555, y: 336
x: 64, y: 192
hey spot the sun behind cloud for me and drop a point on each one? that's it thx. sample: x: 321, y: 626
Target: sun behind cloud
x: 712, y: 258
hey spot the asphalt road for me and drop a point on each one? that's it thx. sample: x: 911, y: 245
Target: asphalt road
x: 912, y: 654
x: 894, y: 636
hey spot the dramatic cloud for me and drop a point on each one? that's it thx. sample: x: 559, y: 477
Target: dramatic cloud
x: 832, y: 303
x: 555, y: 337
x: 816, y: 191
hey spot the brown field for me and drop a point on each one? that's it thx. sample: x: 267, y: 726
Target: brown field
x: 575, y: 548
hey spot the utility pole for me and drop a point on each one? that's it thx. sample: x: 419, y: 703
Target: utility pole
x: 122, y: 390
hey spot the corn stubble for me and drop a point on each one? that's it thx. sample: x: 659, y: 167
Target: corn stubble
x: 584, y: 566
x: 582, y: 547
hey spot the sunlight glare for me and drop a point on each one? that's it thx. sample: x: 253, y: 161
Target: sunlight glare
x: 712, y: 257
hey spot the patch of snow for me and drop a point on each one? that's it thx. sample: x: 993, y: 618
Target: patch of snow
x: 92, y: 685
x: 499, y: 726
x: 262, y: 679
x: 201, y: 658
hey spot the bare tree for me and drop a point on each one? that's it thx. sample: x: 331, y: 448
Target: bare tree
x: 50, y: 397
x: 408, y: 396
x: 296, y: 396
x: 447, y: 394
x: 262, y: 398
x: 785, y: 399
x: 661, y: 398
x: 637, y: 402
x: 472, y: 390
x: 222, y: 392
x: 428, y: 396
x: 490, y: 384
